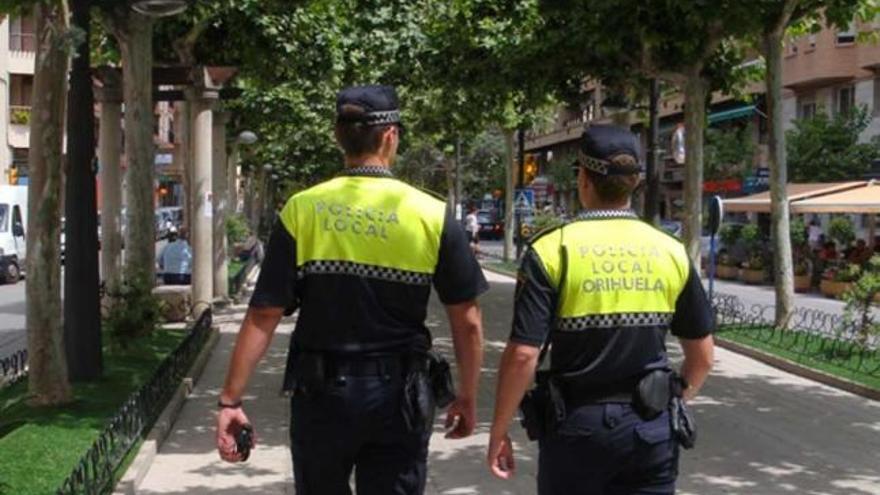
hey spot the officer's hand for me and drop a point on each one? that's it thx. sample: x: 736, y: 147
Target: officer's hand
x: 229, y: 423
x: 461, y: 417
x: 500, y: 456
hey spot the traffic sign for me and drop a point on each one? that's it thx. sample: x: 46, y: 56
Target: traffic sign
x: 524, y: 200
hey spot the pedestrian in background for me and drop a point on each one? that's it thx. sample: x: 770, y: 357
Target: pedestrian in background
x: 599, y: 295
x: 357, y: 255
x: 472, y: 226
x: 175, y: 259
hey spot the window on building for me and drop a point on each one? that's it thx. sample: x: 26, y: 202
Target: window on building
x: 589, y: 107
x: 20, y: 160
x: 847, y: 37
x: 22, y: 35
x: 811, y: 42
x: 846, y: 99
x: 21, y: 90
x: 807, y: 107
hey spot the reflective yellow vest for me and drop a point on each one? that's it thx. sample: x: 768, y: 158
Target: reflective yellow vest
x: 613, y: 271
x: 377, y: 227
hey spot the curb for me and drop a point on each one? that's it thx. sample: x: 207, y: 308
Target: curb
x: 137, y: 471
x: 800, y: 370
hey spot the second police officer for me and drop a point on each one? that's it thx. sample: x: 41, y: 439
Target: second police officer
x: 601, y: 293
x: 358, y: 255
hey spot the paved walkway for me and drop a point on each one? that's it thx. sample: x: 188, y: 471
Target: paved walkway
x: 762, y: 431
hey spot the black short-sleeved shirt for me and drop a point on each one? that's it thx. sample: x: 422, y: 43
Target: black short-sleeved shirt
x: 602, y: 355
x: 348, y: 313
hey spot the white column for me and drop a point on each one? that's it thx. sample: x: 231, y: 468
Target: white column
x: 109, y: 156
x: 221, y: 205
x: 203, y: 209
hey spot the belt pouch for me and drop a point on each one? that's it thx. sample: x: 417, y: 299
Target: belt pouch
x: 441, y: 380
x: 653, y: 394
x: 417, y: 404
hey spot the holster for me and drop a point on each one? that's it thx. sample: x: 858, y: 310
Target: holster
x: 542, y: 408
x: 309, y: 374
x: 653, y: 394
x: 440, y: 377
x: 684, y: 428
x: 418, y: 404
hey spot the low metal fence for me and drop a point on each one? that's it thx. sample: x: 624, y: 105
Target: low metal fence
x: 811, y: 334
x: 95, y: 472
x: 237, y: 280
x: 13, y: 368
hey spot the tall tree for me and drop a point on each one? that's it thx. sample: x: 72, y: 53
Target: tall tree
x: 82, y: 308
x: 775, y: 17
x: 47, y: 378
x: 134, y: 35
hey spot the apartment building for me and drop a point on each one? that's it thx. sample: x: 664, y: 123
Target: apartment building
x: 830, y: 71
x: 17, y: 57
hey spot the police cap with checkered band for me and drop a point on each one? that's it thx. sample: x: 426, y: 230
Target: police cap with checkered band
x: 379, y: 104
x: 601, y: 144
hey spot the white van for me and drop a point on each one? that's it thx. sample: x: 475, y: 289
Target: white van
x: 13, y: 222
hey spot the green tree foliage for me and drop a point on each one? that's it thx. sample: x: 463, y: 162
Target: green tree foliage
x: 729, y: 152
x: 860, y: 299
x: 841, y: 229
x: 826, y: 148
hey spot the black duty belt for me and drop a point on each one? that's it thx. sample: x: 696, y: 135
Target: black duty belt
x: 579, y: 394
x: 390, y: 365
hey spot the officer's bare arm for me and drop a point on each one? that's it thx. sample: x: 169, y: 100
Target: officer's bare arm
x: 467, y: 338
x: 253, y: 339
x: 515, y: 374
x: 699, y: 355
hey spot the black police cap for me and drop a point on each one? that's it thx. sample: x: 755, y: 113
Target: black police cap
x: 600, y: 144
x: 379, y: 104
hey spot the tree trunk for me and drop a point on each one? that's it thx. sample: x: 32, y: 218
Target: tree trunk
x: 696, y: 90
x: 47, y: 377
x: 82, y: 308
x: 783, y: 270
x: 509, y: 186
x: 134, y: 34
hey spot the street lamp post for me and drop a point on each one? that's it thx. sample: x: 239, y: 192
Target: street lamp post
x: 159, y: 8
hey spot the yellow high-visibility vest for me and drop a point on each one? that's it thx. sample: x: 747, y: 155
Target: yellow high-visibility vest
x: 377, y: 227
x: 618, y: 272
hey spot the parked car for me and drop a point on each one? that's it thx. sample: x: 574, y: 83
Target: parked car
x: 491, y: 226
x: 13, y: 221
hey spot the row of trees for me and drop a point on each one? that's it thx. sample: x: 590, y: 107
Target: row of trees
x: 461, y: 67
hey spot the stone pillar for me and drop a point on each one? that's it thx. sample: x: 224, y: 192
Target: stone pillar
x: 109, y: 155
x: 202, y: 101
x: 221, y: 205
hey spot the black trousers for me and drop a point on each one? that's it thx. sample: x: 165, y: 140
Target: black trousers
x: 356, y: 425
x: 607, y: 449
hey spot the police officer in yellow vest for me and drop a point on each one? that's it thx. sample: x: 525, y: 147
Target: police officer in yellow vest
x: 357, y: 255
x: 601, y: 293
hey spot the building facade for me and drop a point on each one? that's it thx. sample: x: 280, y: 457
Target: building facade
x: 830, y: 71
x: 17, y: 58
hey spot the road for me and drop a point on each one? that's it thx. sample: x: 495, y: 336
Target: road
x: 761, y: 431
x: 12, y: 315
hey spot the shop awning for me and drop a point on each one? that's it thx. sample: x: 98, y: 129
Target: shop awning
x: 760, y: 203
x: 865, y: 199
x: 733, y: 113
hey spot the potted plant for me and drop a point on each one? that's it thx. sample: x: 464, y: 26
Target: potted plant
x: 726, y: 268
x: 754, y: 270
x: 838, y: 279
x: 800, y: 250
x: 842, y: 231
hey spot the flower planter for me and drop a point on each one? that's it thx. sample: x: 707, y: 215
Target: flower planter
x: 802, y: 283
x: 726, y: 272
x: 833, y: 289
x: 751, y: 276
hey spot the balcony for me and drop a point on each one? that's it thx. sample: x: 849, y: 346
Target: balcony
x: 22, y: 53
x: 19, y: 126
x: 821, y: 61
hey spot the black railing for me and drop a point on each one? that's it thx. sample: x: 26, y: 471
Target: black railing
x: 237, y: 280
x: 13, y: 368
x: 811, y: 336
x: 95, y: 472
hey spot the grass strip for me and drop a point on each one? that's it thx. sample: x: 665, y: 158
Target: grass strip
x: 821, y: 353
x: 40, y: 446
x: 503, y: 267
